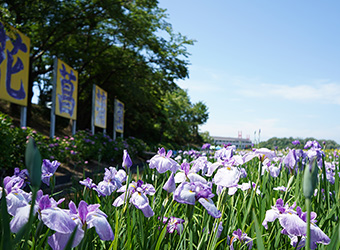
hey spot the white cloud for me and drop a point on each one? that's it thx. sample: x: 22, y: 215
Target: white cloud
x: 322, y: 93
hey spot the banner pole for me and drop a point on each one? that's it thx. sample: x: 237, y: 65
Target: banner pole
x: 54, y: 84
x: 93, y: 108
x: 23, y: 116
x: 114, y: 119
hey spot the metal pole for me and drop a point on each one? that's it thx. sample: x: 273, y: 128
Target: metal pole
x: 93, y: 108
x: 54, y: 84
x: 23, y: 116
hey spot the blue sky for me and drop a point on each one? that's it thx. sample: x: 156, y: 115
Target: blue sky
x: 269, y: 65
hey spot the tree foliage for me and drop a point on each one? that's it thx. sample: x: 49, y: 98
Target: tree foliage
x: 283, y: 143
x: 116, y: 45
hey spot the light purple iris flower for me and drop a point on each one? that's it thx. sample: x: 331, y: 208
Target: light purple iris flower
x: 170, y: 185
x: 137, y: 192
x: 224, y: 153
x: 291, y: 159
x: 330, y: 172
x: 13, y: 182
x: 186, y: 173
x: 15, y: 196
x: 227, y: 177
x: 47, y: 170
x: 162, y: 162
x: 173, y: 224
x: 52, y: 216
x: 86, y: 216
x: 280, y: 188
x: 242, y: 237
x: 264, y: 153
x: 271, y: 168
x: 294, y: 223
x: 201, y: 163
x: 190, y: 192
x: 127, y: 162
x: 88, y: 182
x: 244, y: 186
x: 113, y: 180
x: 312, y: 144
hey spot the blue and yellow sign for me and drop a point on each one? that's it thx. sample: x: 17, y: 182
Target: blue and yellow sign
x: 100, y: 105
x: 119, y: 116
x: 66, y: 91
x: 14, y: 65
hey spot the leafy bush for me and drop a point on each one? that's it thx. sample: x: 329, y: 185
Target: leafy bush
x: 81, y: 147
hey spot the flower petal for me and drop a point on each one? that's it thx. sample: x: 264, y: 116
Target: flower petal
x: 209, y: 205
x: 183, y: 194
x: 101, y: 225
x: 58, y: 220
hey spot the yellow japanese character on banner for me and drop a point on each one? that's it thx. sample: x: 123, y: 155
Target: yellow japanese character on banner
x: 14, y: 65
x: 66, y: 91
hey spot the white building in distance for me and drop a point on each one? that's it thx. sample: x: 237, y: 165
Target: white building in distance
x: 240, y: 143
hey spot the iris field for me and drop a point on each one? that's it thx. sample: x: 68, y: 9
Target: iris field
x: 219, y: 198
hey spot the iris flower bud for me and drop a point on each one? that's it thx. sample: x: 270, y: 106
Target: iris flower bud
x: 33, y: 163
x: 310, y: 179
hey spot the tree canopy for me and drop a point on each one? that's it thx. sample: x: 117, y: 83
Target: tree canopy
x: 118, y: 46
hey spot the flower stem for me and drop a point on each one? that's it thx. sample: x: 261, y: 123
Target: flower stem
x: 308, y: 223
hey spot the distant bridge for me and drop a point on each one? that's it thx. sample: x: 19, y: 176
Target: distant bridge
x: 238, y: 142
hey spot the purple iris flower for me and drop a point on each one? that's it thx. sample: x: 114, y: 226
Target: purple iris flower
x: 296, y: 142
x: 173, y: 224
x: 137, y: 192
x: 88, y: 182
x: 23, y: 174
x: 113, y: 180
x: 162, y: 162
x: 242, y: 237
x: 127, y: 162
x: 219, y: 230
x: 190, y: 192
x: 206, y: 146
x: 294, y: 223
x: 47, y: 170
x: 86, y: 216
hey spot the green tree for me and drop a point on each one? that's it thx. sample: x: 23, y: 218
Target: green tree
x: 112, y: 43
x: 182, y: 117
